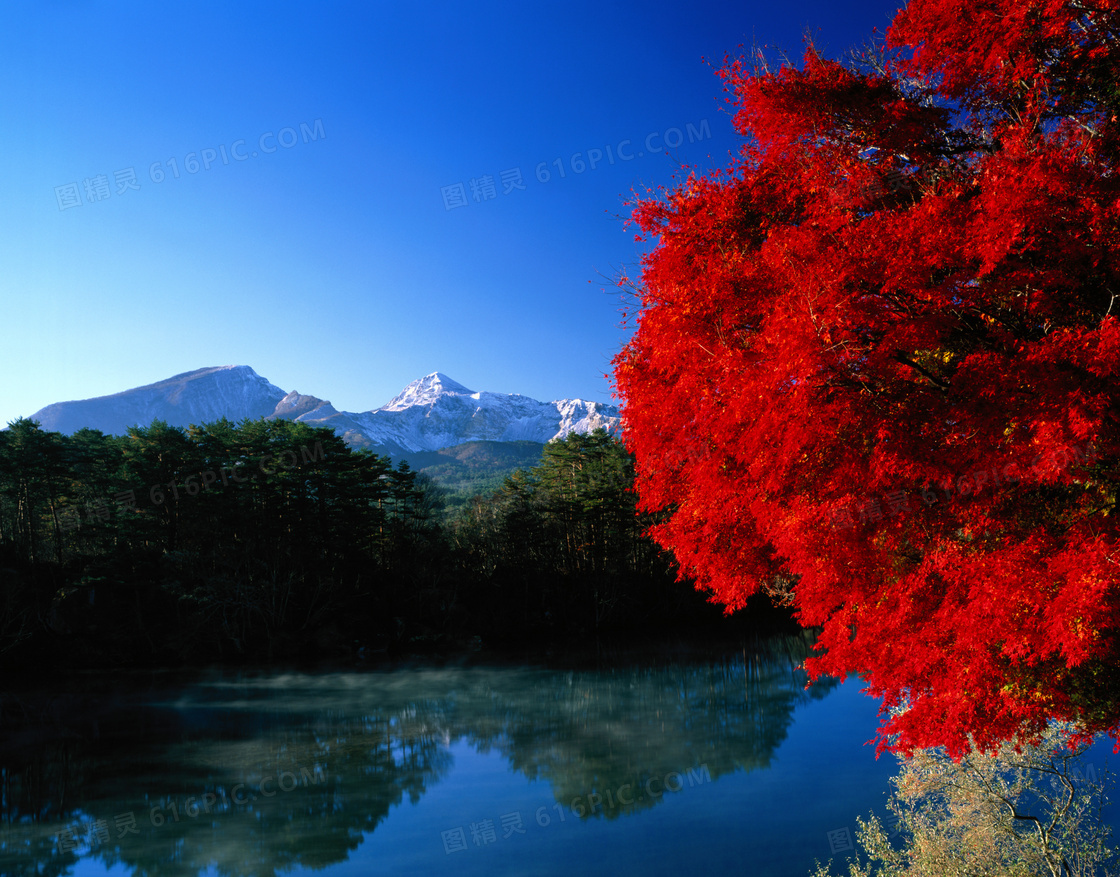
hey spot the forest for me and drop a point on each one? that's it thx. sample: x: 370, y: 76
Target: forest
x: 272, y: 540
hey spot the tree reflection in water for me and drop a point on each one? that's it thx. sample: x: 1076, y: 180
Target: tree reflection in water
x: 255, y: 774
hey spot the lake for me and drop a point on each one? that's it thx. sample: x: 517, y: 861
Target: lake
x: 704, y: 763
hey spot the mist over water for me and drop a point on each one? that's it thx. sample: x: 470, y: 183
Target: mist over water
x: 458, y: 768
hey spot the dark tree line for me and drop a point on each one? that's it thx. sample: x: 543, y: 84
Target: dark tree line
x: 272, y: 539
x: 215, y: 542
x: 560, y: 549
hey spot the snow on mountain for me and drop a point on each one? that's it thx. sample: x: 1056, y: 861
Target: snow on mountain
x: 579, y: 416
x: 200, y: 396
x: 296, y: 406
x: 426, y: 391
x: 429, y: 414
x: 437, y: 412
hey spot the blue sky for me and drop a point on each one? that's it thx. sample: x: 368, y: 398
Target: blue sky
x: 274, y: 185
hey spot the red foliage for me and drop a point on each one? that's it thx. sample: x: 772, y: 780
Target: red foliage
x: 878, y: 358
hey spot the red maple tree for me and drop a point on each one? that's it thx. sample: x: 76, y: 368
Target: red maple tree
x: 876, y: 365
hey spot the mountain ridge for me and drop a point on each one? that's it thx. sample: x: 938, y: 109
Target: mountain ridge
x: 429, y: 414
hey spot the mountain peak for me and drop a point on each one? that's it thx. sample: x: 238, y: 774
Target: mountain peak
x: 240, y: 370
x: 426, y: 391
x: 199, y: 396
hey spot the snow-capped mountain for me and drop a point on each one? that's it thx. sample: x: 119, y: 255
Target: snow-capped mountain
x: 436, y: 412
x: 233, y: 391
x: 429, y: 414
x: 426, y: 391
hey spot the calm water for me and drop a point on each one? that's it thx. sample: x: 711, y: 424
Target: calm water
x: 724, y: 765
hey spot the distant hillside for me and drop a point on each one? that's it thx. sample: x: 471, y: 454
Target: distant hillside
x: 474, y: 468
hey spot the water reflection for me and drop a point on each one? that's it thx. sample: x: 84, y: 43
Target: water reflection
x: 260, y: 773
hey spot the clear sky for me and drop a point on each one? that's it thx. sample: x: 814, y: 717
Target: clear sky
x: 275, y: 184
